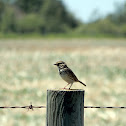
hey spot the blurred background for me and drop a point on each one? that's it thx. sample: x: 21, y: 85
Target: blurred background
x: 77, y: 18
x: 88, y: 36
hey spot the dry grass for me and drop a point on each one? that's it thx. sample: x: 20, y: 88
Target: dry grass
x: 27, y: 71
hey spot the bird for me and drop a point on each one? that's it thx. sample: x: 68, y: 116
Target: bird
x: 67, y: 74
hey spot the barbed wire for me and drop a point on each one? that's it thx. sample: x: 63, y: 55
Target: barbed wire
x: 27, y: 107
x: 104, y: 107
x: 32, y: 107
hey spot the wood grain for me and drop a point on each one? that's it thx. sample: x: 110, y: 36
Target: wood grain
x: 65, y: 107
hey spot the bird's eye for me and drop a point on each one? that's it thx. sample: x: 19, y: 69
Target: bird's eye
x: 59, y: 64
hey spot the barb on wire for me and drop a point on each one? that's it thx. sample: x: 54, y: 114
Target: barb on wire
x: 27, y: 107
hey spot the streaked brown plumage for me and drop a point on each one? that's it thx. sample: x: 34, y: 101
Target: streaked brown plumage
x: 67, y: 74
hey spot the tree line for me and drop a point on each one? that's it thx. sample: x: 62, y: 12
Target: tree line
x: 51, y: 16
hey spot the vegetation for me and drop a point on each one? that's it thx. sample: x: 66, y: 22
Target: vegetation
x: 51, y: 17
x: 39, y: 16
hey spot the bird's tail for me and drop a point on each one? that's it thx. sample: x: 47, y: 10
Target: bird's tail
x: 82, y: 83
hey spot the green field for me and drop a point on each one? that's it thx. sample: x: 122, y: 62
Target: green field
x: 27, y: 71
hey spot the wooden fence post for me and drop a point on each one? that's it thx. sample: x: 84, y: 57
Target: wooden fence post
x: 65, y: 108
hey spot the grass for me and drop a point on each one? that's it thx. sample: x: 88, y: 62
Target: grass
x: 69, y: 35
x: 27, y: 71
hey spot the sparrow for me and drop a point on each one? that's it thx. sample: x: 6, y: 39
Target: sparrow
x: 67, y: 74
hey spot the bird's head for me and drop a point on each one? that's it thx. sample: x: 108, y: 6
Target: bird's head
x: 61, y: 64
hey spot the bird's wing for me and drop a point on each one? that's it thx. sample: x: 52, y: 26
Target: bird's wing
x: 71, y: 74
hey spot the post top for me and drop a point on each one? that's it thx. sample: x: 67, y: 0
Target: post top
x: 67, y: 90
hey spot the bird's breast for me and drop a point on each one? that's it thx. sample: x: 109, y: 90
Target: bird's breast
x: 65, y: 76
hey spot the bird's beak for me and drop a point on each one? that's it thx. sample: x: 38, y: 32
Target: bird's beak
x: 55, y: 64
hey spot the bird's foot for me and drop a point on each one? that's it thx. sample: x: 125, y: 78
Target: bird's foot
x: 63, y: 88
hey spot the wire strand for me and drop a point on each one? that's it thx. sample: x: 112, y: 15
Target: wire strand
x: 32, y: 107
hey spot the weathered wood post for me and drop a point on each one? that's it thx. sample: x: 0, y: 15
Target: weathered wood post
x: 65, y: 108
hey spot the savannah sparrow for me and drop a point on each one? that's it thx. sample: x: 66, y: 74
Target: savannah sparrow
x: 67, y: 74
